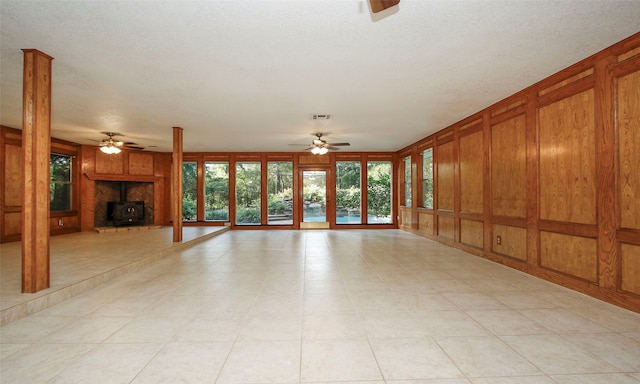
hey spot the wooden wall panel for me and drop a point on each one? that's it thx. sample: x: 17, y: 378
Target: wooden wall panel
x: 109, y: 164
x: 472, y: 233
x: 630, y: 268
x: 509, y: 168
x: 446, y: 227
x: 405, y: 217
x: 572, y: 79
x: 567, y: 159
x: 513, y: 241
x: 425, y: 222
x: 311, y: 159
x: 628, y: 113
x: 471, y: 162
x: 12, y: 183
x: 68, y: 222
x: 573, y: 255
x: 140, y: 163
x: 446, y: 167
x: 12, y: 224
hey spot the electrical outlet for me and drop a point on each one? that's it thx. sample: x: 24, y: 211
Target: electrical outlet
x: 499, y: 240
x: 60, y: 223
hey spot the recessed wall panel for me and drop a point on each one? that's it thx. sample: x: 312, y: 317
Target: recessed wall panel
x: 509, y: 168
x: 471, y: 175
x: 425, y: 222
x: 12, y: 223
x: 567, y: 159
x: 568, y: 254
x: 446, y: 166
x: 446, y: 227
x: 510, y: 241
x: 140, y: 163
x: 12, y: 187
x: 472, y: 233
x: 629, y: 149
x: 109, y: 164
x: 630, y: 277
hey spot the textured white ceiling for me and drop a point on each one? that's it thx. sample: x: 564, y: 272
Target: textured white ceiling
x: 247, y: 75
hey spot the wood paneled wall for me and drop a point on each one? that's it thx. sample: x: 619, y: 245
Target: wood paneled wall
x: 128, y: 165
x: 11, y: 196
x: 89, y: 164
x: 547, y: 181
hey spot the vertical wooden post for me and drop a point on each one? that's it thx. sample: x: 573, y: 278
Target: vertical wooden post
x: 36, y: 147
x: 177, y: 185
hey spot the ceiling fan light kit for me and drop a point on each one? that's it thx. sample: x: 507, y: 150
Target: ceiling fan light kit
x: 319, y: 146
x: 319, y: 150
x: 111, y: 146
x: 110, y: 149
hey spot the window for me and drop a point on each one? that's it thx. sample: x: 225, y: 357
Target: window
x: 216, y: 191
x: 379, y: 192
x: 248, y: 193
x: 280, y: 193
x: 61, y: 183
x: 407, y: 181
x: 427, y: 178
x: 189, y: 191
x: 348, y: 192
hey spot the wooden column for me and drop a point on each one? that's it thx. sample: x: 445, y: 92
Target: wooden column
x: 36, y: 144
x: 177, y: 185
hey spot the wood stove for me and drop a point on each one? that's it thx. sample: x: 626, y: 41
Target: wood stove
x: 125, y: 212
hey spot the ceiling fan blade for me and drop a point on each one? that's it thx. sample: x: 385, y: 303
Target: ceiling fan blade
x: 300, y: 145
x: 381, y: 5
x: 333, y: 148
x: 339, y: 144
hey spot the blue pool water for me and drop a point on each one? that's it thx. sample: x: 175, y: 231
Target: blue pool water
x: 349, y: 219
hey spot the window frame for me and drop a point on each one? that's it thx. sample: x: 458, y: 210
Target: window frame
x: 204, y: 190
x: 71, y: 183
x: 196, y: 164
x: 337, y: 175
x: 391, y: 190
x: 427, y: 179
x: 258, y: 206
x: 407, y: 175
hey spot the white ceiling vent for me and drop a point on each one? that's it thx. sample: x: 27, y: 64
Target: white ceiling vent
x: 320, y: 117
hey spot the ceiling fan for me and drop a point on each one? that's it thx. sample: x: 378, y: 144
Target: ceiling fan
x: 319, y: 146
x: 113, y: 147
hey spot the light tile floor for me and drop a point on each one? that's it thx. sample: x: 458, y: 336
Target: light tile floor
x: 84, y: 260
x: 366, y: 307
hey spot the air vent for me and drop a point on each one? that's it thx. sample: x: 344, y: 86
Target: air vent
x: 320, y: 117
